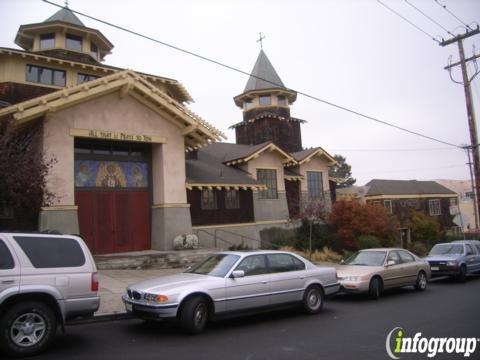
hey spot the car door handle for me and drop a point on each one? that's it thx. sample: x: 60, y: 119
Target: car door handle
x: 8, y: 281
x: 264, y: 282
x: 302, y: 277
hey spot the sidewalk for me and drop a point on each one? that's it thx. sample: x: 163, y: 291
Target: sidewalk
x: 113, y: 284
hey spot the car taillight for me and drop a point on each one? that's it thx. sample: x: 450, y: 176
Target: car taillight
x: 94, y: 285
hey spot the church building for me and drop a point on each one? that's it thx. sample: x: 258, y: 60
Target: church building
x: 134, y: 167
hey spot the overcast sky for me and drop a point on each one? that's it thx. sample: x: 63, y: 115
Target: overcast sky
x: 354, y: 53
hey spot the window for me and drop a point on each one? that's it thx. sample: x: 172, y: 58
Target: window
x: 43, y: 75
x: 284, y: 263
x: 209, y: 199
x: 434, y: 207
x: 232, y: 199
x: 73, y: 42
x: 376, y: 202
x: 248, y: 104
x: 406, y: 257
x: 469, y: 195
x: 315, y: 184
x: 469, y: 250
x: 388, y: 205
x: 269, y: 178
x: 6, y: 260
x: 50, y: 252
x: 47, y: 41
x: 81, y: 78
x: 253, y: 265
x: 393, y: 256
x: 93, y: 51
x: 265, y: 100
x: 281, y: 100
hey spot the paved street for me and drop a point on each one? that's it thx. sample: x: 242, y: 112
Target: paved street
x: 350, y: 327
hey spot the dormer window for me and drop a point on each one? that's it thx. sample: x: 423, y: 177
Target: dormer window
x: 248, y: 104
x: 47, y: 41
x: 265, y: 100
x: 93, y: 51
x: 73, y: 42
x: 281, y: 100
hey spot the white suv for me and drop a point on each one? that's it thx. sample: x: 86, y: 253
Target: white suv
x: 45, y: 280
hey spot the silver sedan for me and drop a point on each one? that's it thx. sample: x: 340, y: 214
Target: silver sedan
x: 229, y: 283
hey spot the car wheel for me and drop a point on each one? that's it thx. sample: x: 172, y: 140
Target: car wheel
x: 313, y: 300
x: 27, y: 328
x: 421, y: 283
x: 194, y: 315
x: 375, y: 288
x: 462, y: 274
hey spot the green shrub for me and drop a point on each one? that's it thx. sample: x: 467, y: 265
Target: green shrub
x: 368, y: 242
x: 418, y: 248
x: 276, y: 237
x: 322, y: 235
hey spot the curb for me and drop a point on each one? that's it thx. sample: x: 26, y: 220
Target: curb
x: 101, y: 318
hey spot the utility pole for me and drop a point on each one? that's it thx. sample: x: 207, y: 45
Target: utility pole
x: 469, y: 103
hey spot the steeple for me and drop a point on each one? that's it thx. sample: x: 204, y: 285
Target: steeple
x: 65, y: 36
x: 266, y: 109
x: 263, y: 75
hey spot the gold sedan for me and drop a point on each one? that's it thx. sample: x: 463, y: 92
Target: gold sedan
x: 374, y: 270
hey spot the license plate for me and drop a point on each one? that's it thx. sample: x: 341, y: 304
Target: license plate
x: 128, y: 306
x: 435, y: 268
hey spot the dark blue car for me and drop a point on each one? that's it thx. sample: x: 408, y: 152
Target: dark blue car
x: 455, y: 259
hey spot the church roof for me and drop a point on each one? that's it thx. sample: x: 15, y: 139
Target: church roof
x: 65, y: 15
x: 263, y: 70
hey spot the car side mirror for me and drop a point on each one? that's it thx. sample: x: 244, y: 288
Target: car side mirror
x: 237, y: 274
x: 391, y: 262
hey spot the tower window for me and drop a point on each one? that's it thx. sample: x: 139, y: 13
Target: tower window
x: 93, y: 50
x: 47, y: 41
x: 81, y: 78
x: 43, y: 75
x: 248, y: 104
x: 281, y: 100
x: 73, y: 42
x: 265, y: 100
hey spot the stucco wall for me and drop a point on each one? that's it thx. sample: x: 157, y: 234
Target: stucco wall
x: 316, y: 164
x: 110, y: 113
x: 267, y: 160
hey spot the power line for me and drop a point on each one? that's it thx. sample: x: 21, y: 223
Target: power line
x: 408, y: 21
x: 444, y: 7
x: 430, y: 18
x: 340, y: 107
x: 393, y: 150
x: 404, y: 170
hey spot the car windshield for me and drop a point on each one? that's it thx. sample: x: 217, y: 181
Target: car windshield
x: 367, y: 258
x: 215, y: 265
x: 447, y: 249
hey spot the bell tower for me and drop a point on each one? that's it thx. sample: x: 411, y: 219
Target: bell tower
x: 265, y: 102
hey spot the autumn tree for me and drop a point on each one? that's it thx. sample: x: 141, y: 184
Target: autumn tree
x: 352, y: 220
x: 342, y: 171
x: 23, y: 182
x: 423, y: 228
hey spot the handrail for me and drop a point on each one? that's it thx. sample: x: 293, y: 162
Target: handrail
x: 215, y: 237
x: 242, y: 237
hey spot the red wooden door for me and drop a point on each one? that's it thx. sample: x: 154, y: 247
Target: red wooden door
x: 114, y: 221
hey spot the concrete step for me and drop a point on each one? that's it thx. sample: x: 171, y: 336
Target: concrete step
x: 151, y: 259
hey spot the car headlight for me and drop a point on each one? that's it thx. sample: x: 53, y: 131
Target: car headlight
x: 452, y: 263
x: 155, y: 298
x: 351, y: 278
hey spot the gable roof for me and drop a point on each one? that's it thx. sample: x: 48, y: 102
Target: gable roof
x: 238, y: 153
x: 378, y: 187
x: 65, y: 15
x: 209, y: 169
x: 304, y: 156
x: 197, y: 132
x: 264, y: 70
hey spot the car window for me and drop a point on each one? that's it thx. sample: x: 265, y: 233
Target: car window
x: 300, y: 265
x: 216, y: 265
x: 367, y: 258
x: 393, y: 256
x: 51, y: 252
x: 253, y: 265
x: 469, y: 249
x: 406, y: 257
x: 6, y: 259
x: 282, y: 263
x: 478, y: 248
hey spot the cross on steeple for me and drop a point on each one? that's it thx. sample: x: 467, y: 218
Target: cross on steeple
x: 260, y: 39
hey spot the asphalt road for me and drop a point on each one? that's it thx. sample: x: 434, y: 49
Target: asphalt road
x: 350, y: 327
